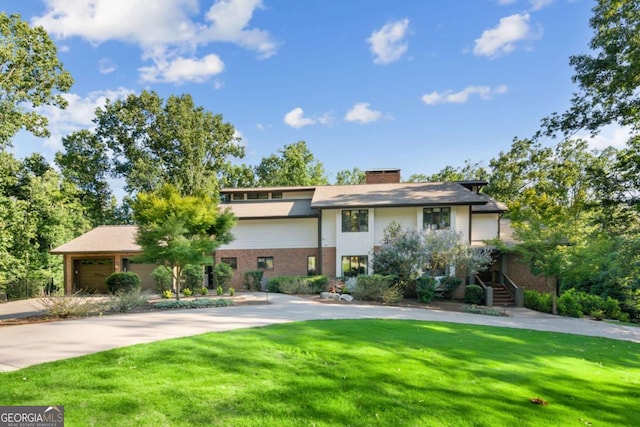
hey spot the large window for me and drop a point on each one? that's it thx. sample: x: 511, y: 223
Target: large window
x: 354, y: 265
x: 355, y: 220
x: 232, y: 262
x: 265, y: 263
x: 436, y: 218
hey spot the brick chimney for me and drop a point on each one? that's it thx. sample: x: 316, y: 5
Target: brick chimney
x: 383, y: 176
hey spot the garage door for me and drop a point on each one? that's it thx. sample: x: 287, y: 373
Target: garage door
x: 91, y: 274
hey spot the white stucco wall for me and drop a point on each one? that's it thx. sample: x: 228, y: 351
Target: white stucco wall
x: 484, y: 226
x: 274, y: 234
x: 406, y: 217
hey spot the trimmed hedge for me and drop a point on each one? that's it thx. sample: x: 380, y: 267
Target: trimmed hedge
x: 474, y: 294
x: 122, y: 281
x: 298, y: 284
x: 252, y: 280
x: 196, y: 303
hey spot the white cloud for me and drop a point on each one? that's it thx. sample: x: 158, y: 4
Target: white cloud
x: 166, y: 31
x: 361, y: 113
x: 539, y: 4
x: 387, y: 43
x: 295, y: 118
x: 180, y: 69
x: 505, y: 2
x: 451, y: 97
x: 503, y: 39
x: 610, y: 136
x: 218, y: 84
x: 105, y: 66
x: 260, y: 127
x: 79, y: 113
x: 326, y: 119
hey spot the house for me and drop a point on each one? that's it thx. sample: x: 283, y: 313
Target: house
x: 307, y: 230
x: 334, y: 229
x: 91, y: 257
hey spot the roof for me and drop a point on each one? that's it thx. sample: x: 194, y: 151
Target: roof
x: 402, y: 194
x: 105, y: 238
x: 280, y: 208
x: 265, y: 189
x: 492, y: 206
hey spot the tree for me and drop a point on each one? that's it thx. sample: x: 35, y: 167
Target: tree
x: 176, y: 230
x: 470, y: 171
x: 85, y: 163
x: 296, y: 166
x: 31, y: 75
x: 239, y: 176
x: 353, y: 176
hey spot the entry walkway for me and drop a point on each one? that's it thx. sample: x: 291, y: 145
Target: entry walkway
x: 26, y: 345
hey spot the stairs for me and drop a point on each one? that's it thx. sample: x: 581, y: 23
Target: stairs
x: 500, y: 295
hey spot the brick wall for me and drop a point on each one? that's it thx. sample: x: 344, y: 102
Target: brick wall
x: 286, y: 262
x: 329, y: 262
x: 382, y: 176
x: 521, y: 274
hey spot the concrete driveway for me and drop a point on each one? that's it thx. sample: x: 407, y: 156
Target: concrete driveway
x: 26, y: 345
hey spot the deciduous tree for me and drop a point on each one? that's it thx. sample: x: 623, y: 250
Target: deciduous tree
x: 296, y: 166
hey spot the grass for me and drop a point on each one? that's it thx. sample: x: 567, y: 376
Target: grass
x: 346, y: 373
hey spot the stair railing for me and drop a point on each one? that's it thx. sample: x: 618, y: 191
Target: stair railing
x: 516, y: 292
x: 488, y: 291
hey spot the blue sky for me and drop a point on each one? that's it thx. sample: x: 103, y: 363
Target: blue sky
x: 410, y: 84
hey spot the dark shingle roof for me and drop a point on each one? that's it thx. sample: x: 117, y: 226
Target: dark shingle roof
x: 106, y: 238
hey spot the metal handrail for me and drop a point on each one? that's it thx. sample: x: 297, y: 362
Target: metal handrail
x: 510, y: 285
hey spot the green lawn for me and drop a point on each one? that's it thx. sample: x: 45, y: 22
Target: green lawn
x: 345, y: 373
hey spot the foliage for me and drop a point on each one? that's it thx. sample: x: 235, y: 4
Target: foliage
x: 23, y: 289
x: 196, y: 303
x: 124, y: 301
x: 538, y: 301
x: 219, y: 290
x: 253, y: 280
x: 450, y: 284
x: 204, y: 291
x: 470, y: 171
x: 178, y: 231
x: 192, y: 277
x: 474, y: 294
x: 568, y: 305
x: 31, y: 76
x: 167, y: 294
x: 163, y: 278
x: 76, y: 305
x: 122, y: 281
x: 597, y: 314
x: 374, y: 287
x: 187, y: 292
x: 426, y: 288
x: 296, y: 166
x: 353, y: 176
x: 232, y: 292
x: 474, y: 309
x: 298, y: 284
x: 222, y: 274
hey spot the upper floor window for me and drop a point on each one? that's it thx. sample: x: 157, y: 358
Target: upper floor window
x: 355, y: 220
x: 436, y: 218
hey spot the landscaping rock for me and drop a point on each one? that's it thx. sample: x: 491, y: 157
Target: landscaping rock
x: 329, y: 295
x: 346, y: 297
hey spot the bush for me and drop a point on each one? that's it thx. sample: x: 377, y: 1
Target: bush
x: 569, y: 305
x: 204, y: 291
x: 24, y: 289
x: 426, y: 288
x: 298, y: 284
x: 122, y: 281
x: 537, y: 301
x: 372, y: 287
x: 197, y: 303
x: 192, y: 277
x: 449, y: 284
x: 187, y: 292
x: 123, y: 301
x: 222, y: 275
x: 253, y: 280
x: 474, y: 294
x: 391, y: 295
x: 168, y: 294
x: 474, y: 309
x: 232, y: 291
x: 597, y: 314
x: 163, y: 278
x: 76, y: 305
x: 219, y: 290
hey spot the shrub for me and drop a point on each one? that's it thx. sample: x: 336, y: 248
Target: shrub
x: 197, y: 303
x: 474, y: 309
x: 222, y: 275
x: 569, y: 305
x: 253, y: 280
x: 122, y: 281
x: 232, y: 291
x: 163, y: 278
x: 449, y: 284
x: 318, y: 283
x: 168, y: 294
x: 219, y: 290
x: 76, y: 305
x: 23, y: 289
x: 537, y: 301
x: 298, y: 284
x: 391, y: 295
x: 474, y: 294
x: 125, y: 301
x: 192, y: 277
x: 187, y: 292
x: 597, y: 314
x: 426, y: 288
x: 372, y: 287
x: 204, y: 291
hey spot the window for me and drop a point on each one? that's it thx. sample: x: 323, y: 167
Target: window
x: 436, y: 218
x: 265, y: 263
x: 354, y: 265
x: 311, y: 266
x: 276, y: 195
x: 232, y: 262
x: 257, y: 196
x: 356, y: 220
x: 235, y: 196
